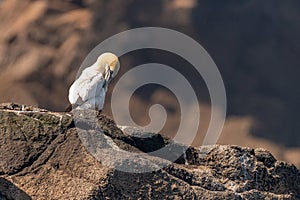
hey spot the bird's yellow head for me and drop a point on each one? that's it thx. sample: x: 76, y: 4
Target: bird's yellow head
x: 108, y: 64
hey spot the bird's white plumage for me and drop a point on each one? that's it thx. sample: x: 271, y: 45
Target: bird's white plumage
x: 89, y: 90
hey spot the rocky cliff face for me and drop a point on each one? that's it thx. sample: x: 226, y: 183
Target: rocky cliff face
x: 42, y: 157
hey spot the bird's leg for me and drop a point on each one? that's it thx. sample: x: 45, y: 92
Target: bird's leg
x: 99, y: 113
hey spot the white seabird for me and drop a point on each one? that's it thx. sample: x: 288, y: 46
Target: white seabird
x: 89, y: 90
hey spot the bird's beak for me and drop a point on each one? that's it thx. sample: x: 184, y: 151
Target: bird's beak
x: 108, y: 77
x: 110, y: 74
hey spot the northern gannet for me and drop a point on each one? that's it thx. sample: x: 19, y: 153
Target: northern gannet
x: 89, y: 90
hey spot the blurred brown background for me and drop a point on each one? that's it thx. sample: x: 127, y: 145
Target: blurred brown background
x: 254, y: 43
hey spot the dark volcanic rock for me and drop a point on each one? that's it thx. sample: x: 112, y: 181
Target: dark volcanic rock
x: 9, y: 191
x: 43, y: 157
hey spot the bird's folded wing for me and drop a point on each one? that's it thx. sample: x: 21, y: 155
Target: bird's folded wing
x: 73, y: 93
x: 78, y: 84
x: 88, y: 88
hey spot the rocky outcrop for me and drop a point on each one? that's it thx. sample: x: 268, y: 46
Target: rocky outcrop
x: 43, y: 157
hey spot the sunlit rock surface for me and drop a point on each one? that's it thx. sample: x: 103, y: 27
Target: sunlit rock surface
x: 42, y: 157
